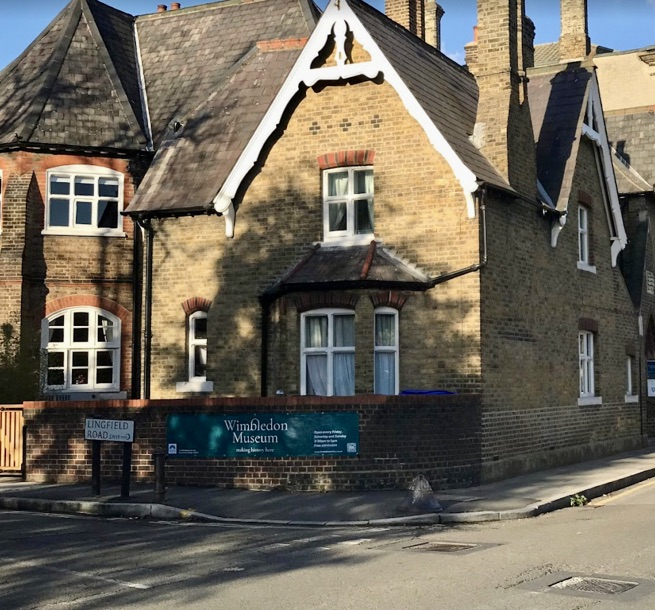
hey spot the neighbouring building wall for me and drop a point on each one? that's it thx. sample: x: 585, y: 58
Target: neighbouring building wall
x: 420, y: 212
x: 45, y: 273
x: 534, y: 302
x: 400, y: 437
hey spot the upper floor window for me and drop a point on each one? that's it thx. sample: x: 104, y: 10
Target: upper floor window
x: 328, y: 353
x: 84, y: 200
x: 386, y: 351
x: 348, y: 204
x: 83, y: 350
x: 584, y: 241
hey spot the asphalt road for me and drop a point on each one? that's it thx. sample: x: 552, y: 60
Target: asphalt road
x: 59, y: 562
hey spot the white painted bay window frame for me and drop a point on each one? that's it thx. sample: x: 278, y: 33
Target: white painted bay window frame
x: 329, y: 347
x: 350, y: 235
x: 386, y: 349
x: 93, y: 177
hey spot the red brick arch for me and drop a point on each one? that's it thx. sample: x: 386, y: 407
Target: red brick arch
x: 195, y: 304
x: 345, y: 158
x: 87, y: 300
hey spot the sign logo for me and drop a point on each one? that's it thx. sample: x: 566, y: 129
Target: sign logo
x: 172, y: 448
x: 351, y: 448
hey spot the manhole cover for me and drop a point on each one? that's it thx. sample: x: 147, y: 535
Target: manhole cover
x: 594, y: 585
x: 441, y: 547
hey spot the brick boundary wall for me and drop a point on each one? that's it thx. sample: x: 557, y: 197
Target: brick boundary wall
x: 400, y: 437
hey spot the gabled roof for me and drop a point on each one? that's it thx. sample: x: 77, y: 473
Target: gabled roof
x: 565, y: 106
x: 438, y: 94
x: 557, y: 106
x: 371, y: 266
x: 211, y: 73
x: 76, y: 85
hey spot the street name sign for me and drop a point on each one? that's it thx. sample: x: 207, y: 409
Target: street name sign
x: 116, y: 430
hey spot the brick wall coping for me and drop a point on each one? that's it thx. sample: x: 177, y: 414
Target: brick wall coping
x: 257, y: 402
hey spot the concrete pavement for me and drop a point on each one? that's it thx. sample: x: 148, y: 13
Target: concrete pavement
x: 517, y: 498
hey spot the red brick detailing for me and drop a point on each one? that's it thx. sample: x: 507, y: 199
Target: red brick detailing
x: 586, y: 198
x: 196, y: 304
x: 281, y: 44
x: 345, y: 158
x: 370, y: 253
x: 319, y: 300
x: 87, y: 300
x: 389, y: 298
x: 588, y: 324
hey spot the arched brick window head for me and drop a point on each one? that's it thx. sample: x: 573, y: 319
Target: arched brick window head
x: 345, y: 158
x: 195, y: 304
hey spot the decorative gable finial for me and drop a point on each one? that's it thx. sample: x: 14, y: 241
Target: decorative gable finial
x: 340, y: 31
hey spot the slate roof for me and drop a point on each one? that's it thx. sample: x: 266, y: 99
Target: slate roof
x: 371, y: 266
x: 633, y: 134
x: 209, y: 70
x: 76, y: 84
x: 557, y: 107
x: 547, y: 54
x: 447, y: 91
x: 628, y: 179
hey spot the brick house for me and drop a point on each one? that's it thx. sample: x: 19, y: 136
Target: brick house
x: 332, y: 207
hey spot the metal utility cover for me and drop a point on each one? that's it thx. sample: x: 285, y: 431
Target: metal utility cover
x: 441, y: 547
x: 595, y: 585
x: 592, y: 586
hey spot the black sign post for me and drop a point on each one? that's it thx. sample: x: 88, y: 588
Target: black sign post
x: 116, y: 430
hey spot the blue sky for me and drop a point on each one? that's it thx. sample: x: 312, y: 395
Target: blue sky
x: 619, y: 24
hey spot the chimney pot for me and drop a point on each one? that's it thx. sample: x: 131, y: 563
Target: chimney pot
x: 175, y: 6
x: 161, y: 8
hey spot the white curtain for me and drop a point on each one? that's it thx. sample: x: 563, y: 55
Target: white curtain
x: 344, y: 374
x: 385, y: 373
x: 338, y: 187
x: 344, y: 363
x: 317, y: 375
x: 385, y: 361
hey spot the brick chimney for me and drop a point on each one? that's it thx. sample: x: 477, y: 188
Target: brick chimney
x: 421, y: 17
x: 433, y: 15
x: 161, y: 8
x: 503, y: 130
x: 574, y: 38
x: 175, y: 6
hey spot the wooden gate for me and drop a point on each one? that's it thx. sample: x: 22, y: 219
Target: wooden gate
x: 11, y: 439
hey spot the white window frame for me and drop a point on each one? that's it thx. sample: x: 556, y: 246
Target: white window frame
x: 330, y: 350
x: 630, y: 394
x: 349, y: 236
x: 587, y: 373
x: 91, y: 347
x: 90, y: 172
x: 194, y: 383
x: 584, y: 243
x: 386, y: 349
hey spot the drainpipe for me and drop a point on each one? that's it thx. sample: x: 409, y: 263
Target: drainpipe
x: 445, y: 277
x: 137, y: 294
x: 146, y: 226
x: 266, y: 310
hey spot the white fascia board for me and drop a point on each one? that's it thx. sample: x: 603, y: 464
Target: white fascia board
x: 620, y: 240
x: 338, y: 18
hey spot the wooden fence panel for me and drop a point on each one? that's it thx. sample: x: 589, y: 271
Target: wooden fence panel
x: 11, y: 439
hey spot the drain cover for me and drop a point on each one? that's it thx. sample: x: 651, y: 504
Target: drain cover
x: 594, y: 585
x: 441, y: 547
